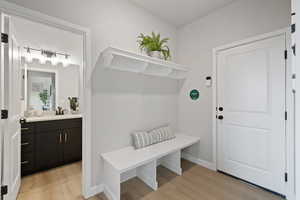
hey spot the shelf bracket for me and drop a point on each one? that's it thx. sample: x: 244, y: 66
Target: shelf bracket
x: 170, y: 71
x: 107, y: 59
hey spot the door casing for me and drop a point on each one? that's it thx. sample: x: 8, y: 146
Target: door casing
x: 289, y: 103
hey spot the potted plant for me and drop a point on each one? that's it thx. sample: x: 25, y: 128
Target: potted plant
x: 44, y: 97
x: 154, y: 46
x: 74, y: 104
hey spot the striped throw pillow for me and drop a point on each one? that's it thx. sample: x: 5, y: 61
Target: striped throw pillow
x: 170, y: 134
x: 141, y: 139
x: 161, y: 134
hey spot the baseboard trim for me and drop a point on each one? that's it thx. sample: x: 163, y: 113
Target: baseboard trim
x: 203, y: 163
x: 109, y: 194
x: 94, y: 191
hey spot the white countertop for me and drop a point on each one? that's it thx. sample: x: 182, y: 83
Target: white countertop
x: 52, y: 117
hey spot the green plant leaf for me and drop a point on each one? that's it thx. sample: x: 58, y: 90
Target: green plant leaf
x: 44, y: 97
x: 154, y: 43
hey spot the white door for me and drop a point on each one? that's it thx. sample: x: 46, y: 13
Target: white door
x: 251, y: 91
x: 10, y: 66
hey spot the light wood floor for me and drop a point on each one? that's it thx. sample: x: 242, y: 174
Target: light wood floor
x: 197, y: 183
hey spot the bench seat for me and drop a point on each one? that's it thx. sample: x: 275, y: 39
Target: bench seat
x: 145, y: 161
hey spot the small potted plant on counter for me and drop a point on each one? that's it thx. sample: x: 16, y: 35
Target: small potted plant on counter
x: 74, y: 105
x: 154, y: 46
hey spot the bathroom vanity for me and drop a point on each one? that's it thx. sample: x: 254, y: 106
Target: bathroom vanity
x: 48, y: 142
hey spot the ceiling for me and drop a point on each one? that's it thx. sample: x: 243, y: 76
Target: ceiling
x: 180, y: 12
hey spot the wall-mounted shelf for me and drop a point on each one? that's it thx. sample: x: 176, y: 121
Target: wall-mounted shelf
x: 117, y: 59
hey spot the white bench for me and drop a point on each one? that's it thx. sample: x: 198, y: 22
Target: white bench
x: 144, y: 161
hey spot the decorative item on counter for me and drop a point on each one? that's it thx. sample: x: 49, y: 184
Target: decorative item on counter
x: 154, y: 46
x: 74, y: 104
x: 59, y: 111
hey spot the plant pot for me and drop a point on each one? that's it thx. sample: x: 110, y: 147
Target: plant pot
x: 155, y: 54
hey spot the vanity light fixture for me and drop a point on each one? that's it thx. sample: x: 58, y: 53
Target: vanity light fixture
x: 47, y: 56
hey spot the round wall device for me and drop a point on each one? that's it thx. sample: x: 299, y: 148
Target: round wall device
x: 194, y: 94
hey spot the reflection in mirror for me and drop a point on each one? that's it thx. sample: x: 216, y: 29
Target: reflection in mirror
x: 41, y: 92
x: 47, y: 88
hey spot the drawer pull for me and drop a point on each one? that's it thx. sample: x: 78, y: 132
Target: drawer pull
x: 25, y: 144
x: 24, y: 129
x: 60, y: 138
x: 25, y: 162
x: 66, y: 137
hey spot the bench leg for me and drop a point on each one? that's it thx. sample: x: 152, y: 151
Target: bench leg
x: 147, y: 173
x: 173, y: 162
x: 112, y: 182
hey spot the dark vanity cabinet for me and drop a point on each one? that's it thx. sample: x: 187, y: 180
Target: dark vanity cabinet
x: 27, y: 148
x: 49, y: 144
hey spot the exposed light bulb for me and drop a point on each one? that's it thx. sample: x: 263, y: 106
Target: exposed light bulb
x: 28, y: 56
x: 54, y: 60
x: 66, y: 61
x: 48, y: 60
x: 42, y: 59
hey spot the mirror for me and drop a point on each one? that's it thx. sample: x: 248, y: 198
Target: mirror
x: 41, y: 93
x: 46, y: 87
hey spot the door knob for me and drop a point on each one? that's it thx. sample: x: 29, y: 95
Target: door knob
x: 221, y: 109
x: 220, y: 117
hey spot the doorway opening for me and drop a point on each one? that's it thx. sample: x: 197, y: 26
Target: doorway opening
x: 44, y: 88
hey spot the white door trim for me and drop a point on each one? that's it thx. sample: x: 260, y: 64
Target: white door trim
x: 289, y: 104
x: 296, y: 61
x: 85, y: 86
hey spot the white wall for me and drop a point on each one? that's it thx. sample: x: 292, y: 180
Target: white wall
x: 68, y: 81
x: 195, y: 42
x: 40, y: 36
x: 124, y: 102
x: 121, y: 102
x: 112, y: 22
x: 151, y: 101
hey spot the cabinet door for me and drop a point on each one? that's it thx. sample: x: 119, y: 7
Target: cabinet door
x: 72, y: 144
x: 48, y: 149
